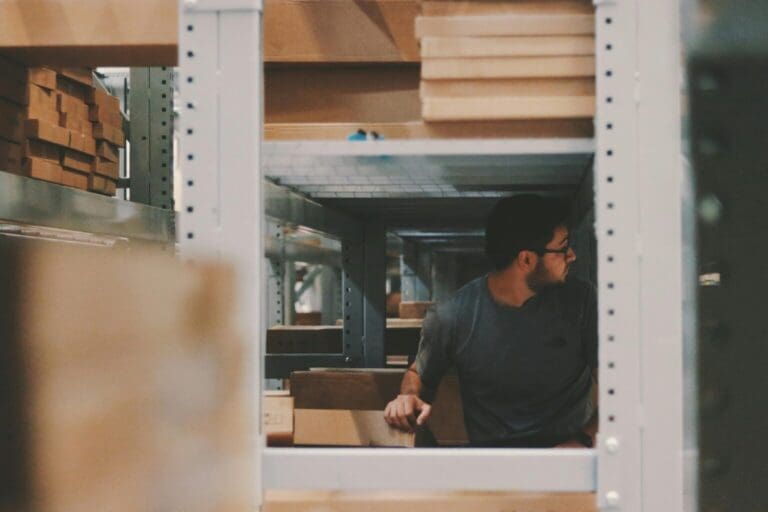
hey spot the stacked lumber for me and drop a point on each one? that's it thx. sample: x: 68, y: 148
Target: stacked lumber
x: 507, y: 60
x: 346, y: 408
x: 57, y: 127
x: 414, y: 309
x: 278, y: 418
x: 121, y: 412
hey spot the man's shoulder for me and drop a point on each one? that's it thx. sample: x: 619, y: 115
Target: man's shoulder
x: 467, y: 294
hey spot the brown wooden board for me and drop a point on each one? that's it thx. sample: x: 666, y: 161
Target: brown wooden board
x: 106, y: 168
x: 91, y: 32
x: 42, y: 170
x: 516, y: 87
x: 74, y: 179
x: 77, y: 161
x: 481, y: 7
x: 109, y: 133
x: 513, y: 46
x: 37, y: 129
x: 374, y: 94
x: 340, y: 31
x: 571, y: 128
x: 107, y: 151
x: 508, y: 67
x: 81, y: 75
x: 100, y: 97
x: 454, y: 501
x: 501, y: 108
x: 75, y: 124
x: 101, y: 185
x: 32, y: 148
x: 505, y: 25
x: 82, y: 142
x: 41, y: 102
x: 97, y: 405
x: 98, y: 114
x: 42, y: 77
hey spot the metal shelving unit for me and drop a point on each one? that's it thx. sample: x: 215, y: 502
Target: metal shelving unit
x: 29, y: 202
x: 637, y: 465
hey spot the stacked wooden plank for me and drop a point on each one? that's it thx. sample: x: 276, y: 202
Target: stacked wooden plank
x: 507, y: 60
x: 57, y: 127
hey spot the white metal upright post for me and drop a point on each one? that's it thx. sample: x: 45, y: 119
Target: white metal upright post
x: 638, y: 198
x: 221, y: 214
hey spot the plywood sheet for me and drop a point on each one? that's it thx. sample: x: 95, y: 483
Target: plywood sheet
x: 514, y: 46
x: 340, y: 31
x: 482, y: 108
x: 508, y: 67
x: 505, y: 25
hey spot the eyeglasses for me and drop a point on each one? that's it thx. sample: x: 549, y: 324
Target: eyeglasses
x: 563, y: 250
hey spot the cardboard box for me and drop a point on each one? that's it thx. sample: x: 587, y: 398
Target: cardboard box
x: 12, y: 118
x: 101, y: 185
x: 340, y: 427
x: 82, y: 143
x: 278, y: 418
x: 42, y: 170
x: 414, y: 309
x: 107, y: 151
x: 139, y: 33
x: 340, y: 31
x: 106, y: 168
x: 74, y: 160
x: 372, y: 390
x: 42, y: 150
x: 37, y: 129
x: 109, y: 133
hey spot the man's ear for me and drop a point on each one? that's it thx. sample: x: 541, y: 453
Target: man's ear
x: 526, y: 259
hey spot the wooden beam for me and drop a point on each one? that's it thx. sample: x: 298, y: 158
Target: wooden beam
x: 508, y: 87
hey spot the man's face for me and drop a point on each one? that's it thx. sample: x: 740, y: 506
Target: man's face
x: 552, y: 267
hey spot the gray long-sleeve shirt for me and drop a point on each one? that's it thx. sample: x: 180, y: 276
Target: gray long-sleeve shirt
x: 523, y: 371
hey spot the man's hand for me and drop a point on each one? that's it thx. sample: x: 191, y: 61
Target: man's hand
x: 402, y: 412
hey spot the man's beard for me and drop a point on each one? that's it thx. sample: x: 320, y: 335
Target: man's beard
x: 541, y: 279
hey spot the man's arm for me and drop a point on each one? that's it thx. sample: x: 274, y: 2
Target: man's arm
x: 402, y: 411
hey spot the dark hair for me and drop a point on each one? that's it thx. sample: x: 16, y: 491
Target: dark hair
x: 524, y: 222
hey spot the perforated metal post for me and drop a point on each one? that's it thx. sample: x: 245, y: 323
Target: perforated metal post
x: 222, y: 211
x: 151, y: 112
x: 638, y: 197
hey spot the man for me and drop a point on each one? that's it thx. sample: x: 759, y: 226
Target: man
x: 522, y: 339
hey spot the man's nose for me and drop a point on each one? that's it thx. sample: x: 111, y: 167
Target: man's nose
x: 571, y: 255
